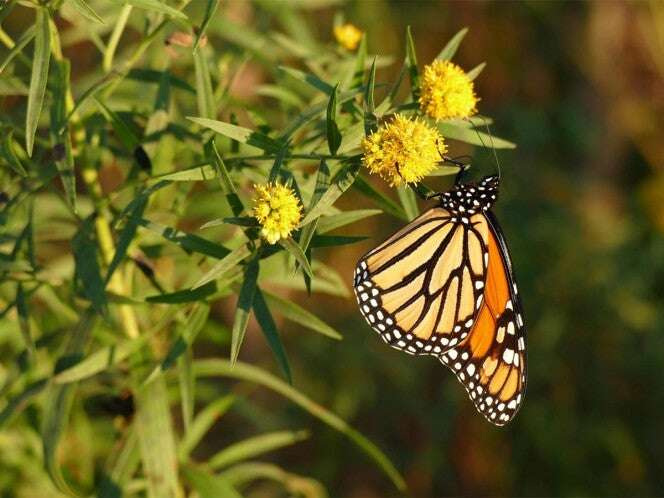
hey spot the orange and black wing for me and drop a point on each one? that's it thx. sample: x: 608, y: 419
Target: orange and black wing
x: 491, y: 361
x: 422, y: 288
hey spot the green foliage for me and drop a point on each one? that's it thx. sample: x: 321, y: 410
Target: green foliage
x: 128, y: 236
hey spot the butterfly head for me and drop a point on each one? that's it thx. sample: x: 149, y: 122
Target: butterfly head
x: 471, y: 198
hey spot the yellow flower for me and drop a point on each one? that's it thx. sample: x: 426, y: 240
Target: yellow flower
x: 348, y: 36
x: 277, y: 209
x: 403, y: 150
x: 447, y: 92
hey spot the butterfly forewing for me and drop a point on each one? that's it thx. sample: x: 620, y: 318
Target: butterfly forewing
x: 422, y: 288
x: 491, y: 361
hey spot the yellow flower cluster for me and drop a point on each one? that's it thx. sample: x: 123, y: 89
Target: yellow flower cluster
x: 277, y: 209
x: 403, y: 151
x: 447, y: 92
x: 348, y: 36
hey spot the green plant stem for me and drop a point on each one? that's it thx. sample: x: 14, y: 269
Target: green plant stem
x: 272, y: 157
x: 113, y: 41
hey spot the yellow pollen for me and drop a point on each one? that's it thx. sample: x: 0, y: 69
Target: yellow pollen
x: 447, y: 92
x: 277, y: 209
x: 403, y: 151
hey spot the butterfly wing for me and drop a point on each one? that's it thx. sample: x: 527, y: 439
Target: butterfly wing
x: 491, y: 361
x: 422, y: 288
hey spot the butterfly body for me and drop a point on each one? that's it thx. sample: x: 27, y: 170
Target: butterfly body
x: 444, y: 286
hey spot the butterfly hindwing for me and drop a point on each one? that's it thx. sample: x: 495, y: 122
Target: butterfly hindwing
x: 491, y: 362
x: 421, y: 289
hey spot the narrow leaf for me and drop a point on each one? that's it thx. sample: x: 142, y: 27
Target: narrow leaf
x: 39, y: 77
x: 225, y: 181
x: 224, y: 265
x: 186, y: 241
x: 452, y: 46
x: 296, y: 251
x: 86, y: 11
x: 244, y: 304
x: 210, y: 9
x: 332, y: 129
x: 60, y: 136
x: 127, y: 235
x: 295, y: 313
x: 332, y: 222
x: 473, y: 136
x: 310, y: 79
x: 475, y: 72
x: 208, y: 485
x: 25, y: 38
x: 254, y: 446
x: 269, y: 328
x: 411, y: 62
x: 204, y: 94
x: 202, y: 423
x: 185, y: 296
x: 157, y: 6
x: 242, y: 135
x: 88, y: 271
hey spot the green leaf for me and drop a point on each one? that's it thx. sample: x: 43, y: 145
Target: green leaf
x: 335, y: 240
x: 242, y: 135
x: 452, y: 46
x: 58, y: 405
x: 244, y: 304
x: 122, y: 130
x: 254, y: 446
x: 208, y: 485
x: 340, y: 183
x: 295, y: 313
x: 322, y: 184
x: 224, y: 265
x: 15, y: 405
x: 296, y: 251
x: 88, y: 271
x: 39, y: 77
x: 202, y: 423
x: 24, y: 319
x: 385, y: 203
x: 408, y: 201
x: 310, y: 79
x: 360, y: 61
x: 370, y: 121
x: 200, y: 173
x: 269, y: 328
x: 332, y: 222
x: 225, y: 181
x: 156, y: 6
x: 243, y: 371
x: 475, y: 72
x: 185, y: 296
x: 204, y: 95
x: 210, y: 9
x: 127, y: 235
x: 60, y: 136
x: 473, y: 136
x: 25, y: 38
x: 99, y: 361
x: 156, y: 439
x: 276, y: 171
x: 187, y: 241
x: 331, y: 127
x: 85, y: 10
x: 411, y: 62
x: 8, y: 154
x: 153, y: 76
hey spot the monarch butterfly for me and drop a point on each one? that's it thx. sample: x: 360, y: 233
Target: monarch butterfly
x: 443, y: 286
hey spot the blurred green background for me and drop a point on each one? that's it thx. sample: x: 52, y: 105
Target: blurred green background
x: 580, y: 88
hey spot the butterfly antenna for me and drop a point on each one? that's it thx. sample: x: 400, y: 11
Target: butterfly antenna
x: 493, y: 148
